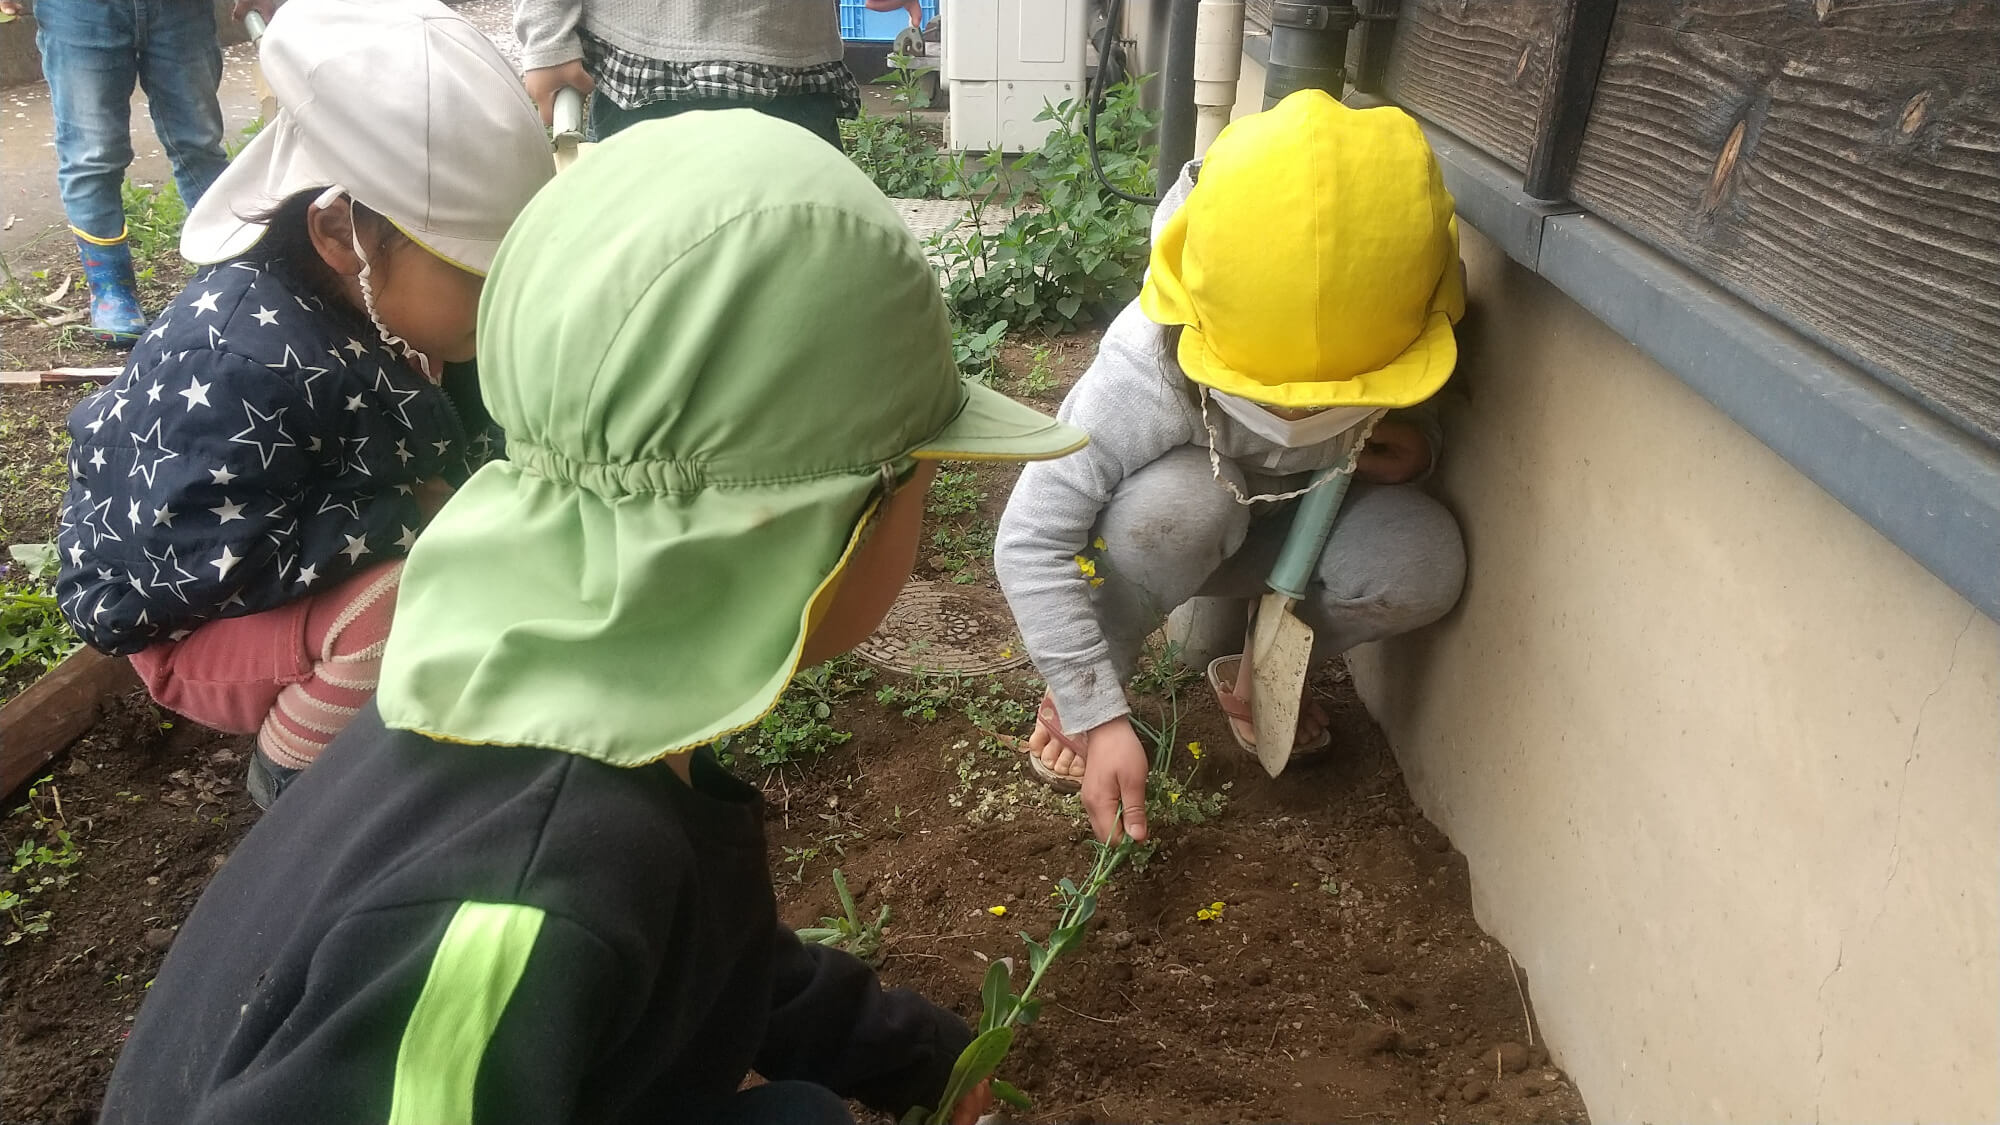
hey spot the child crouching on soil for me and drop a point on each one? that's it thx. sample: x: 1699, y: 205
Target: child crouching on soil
x: 519, y: 887
x: 1304, y: 280
x: 242, y: 496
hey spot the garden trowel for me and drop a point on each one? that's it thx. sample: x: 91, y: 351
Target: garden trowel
x: 1280, y: 646
x: 568, y: 129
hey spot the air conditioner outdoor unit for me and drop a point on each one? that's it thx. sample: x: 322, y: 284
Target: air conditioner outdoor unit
x: 1004, y: 60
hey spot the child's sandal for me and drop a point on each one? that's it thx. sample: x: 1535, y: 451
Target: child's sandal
x: 1222, y: 673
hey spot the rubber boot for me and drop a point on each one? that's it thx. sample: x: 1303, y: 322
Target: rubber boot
x: 115, y: 315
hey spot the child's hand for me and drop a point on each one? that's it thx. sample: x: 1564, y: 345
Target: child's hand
x: 545, y: 82
x: 1114, y: 774
x: 973, y: 1105
x: 1396, y: 453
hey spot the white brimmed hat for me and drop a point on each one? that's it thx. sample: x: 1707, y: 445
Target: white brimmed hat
x: 403, y: 104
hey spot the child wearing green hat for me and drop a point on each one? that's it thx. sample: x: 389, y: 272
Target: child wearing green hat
x: 1300, y: 301
x: 518, y: 887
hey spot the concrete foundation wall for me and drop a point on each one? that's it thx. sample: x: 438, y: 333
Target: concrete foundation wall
x: 1725, y: 762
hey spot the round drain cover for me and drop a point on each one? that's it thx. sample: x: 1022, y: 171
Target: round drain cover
x: 940, y: 627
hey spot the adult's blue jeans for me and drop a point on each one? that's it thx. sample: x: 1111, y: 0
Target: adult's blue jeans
x: 93, y: 54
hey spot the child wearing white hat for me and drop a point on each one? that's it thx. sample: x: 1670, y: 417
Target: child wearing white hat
x: 242, y: 496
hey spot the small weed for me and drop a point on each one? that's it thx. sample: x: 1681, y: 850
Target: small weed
x: 847, y: 931
x: 1162, y: 671
x: 33, y: 635
x: 800, y: 728
x: 898, y: 152
x: 1041, y: 376
x: 41, y: 861
x: 961, y: 540
x: 154, y: 215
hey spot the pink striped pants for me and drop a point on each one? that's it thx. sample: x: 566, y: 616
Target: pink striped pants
x: 294, y: 676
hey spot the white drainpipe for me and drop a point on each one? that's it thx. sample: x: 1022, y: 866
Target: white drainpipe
x: 1218, y: 63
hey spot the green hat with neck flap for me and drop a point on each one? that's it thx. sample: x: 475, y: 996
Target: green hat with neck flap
x: 709, y: 342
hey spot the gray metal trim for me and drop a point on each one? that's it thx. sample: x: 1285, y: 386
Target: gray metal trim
x: 1929, y: 488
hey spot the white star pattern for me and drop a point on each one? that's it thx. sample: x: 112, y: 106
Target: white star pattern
x: 236, y: 599
x: 290, y: 362
x: 215, y: 337
x: 137, y: 586
x: 266, y: 317
x: 253, y: 268
x: 225, y: 562
x: 357, y: 347
x: 352, y: 507
x: 150, y: 440
x: 196, y: 394
x: 351, y: 455
x: 99, y: 523
x: 399, y: 399
x: 206, y: 304
x: 357, y: 546
x: 76, y: 552
x: 161, y: 565
x: 403, y: 453
x: 441, y: 446
x: 221, y: 476
x: 313, y: 443
x: 159, y: 330
x: 95, y: 424
x: 228, y: 511
x: 153, y: 392
x: 163, y: 517
x: 133, y: 513
x: 356, y: 401
x: 262, y: 423
x: 407, y: 540
x: 307, y: 575
x: 97, y: 458
x: 117, y: 408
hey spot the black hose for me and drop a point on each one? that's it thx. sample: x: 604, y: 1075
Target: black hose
x: 1095, y: 93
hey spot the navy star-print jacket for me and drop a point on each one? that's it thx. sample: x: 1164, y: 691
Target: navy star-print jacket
x: 261, y: 446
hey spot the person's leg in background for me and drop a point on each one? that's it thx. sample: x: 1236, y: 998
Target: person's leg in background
x: 818, y: 113
x: 90, y: 57
x: 180, y: 67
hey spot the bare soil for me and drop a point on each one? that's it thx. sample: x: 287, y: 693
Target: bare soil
x: 1344, y: 978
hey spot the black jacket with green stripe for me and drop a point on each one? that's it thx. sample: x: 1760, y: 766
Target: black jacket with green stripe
x: 428, y: 933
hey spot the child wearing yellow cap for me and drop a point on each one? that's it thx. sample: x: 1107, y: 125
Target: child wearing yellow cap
x: 1297, y: 313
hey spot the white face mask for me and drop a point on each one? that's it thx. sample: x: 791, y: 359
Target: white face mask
x: 1313, y: 429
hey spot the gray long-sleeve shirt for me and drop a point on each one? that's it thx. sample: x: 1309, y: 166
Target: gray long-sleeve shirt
x: 1137, y: 405
x: 784, y: 33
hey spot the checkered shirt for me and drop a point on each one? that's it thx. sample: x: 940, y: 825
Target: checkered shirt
x: 633, y: 80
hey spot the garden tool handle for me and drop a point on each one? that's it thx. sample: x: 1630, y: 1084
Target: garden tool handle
x: 253, y: 25
x: 1311, y: 525
x: 568, y: 114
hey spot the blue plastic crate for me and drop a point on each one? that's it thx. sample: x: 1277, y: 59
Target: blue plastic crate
x: 858, y: 24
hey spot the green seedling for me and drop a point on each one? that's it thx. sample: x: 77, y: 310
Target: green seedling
x: 848, y: 931
x: 1003, y: 1011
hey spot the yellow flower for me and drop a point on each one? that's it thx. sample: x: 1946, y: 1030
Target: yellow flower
x: 1007, y: 653
x: 996, y: 911
x: 1096, y: 582
x: 1209, y: 913
x: 1098, y: 542
x: 1173, y: 798
x: 1216, y: 906
x: 1086, y: 567
x: 1194, y: 748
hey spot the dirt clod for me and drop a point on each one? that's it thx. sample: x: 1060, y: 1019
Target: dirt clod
x: 158, y: 940
x: 1511, y: 1057
x: 1474, y: 1092
x: 1377, y: 962
x: 1375, y: 1039
x: 1122, y: 939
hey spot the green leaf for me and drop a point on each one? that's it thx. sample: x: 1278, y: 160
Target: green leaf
x: 975, y: 1064
x: 1069, y: 305
x: 1027, y: 1011
x: 846, y: 899
x: 995, y: 995
x: 1010, y: 1094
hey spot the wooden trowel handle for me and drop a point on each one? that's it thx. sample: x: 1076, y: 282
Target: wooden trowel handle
x: 1311, y: 524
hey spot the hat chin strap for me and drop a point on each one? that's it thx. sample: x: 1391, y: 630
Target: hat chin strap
x: 1236, y: 494
x: 394, y: 342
